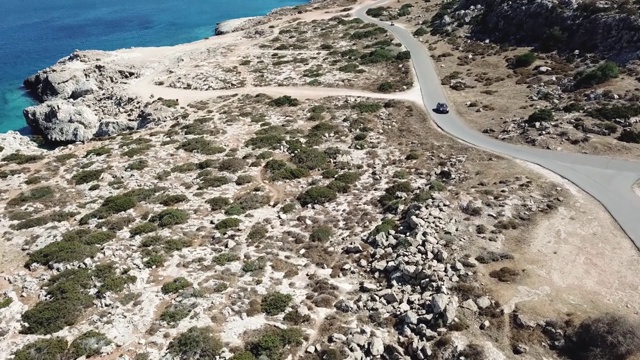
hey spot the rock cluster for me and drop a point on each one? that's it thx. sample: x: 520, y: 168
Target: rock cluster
x: 82, y: 97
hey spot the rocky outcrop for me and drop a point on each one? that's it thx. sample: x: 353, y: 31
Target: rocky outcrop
x: 83, y: 96
x: 239, y: 24
x: 62, y: 121
x: 562, y: 25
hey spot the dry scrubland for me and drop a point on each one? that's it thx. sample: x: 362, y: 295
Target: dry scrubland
x: 247, y: 226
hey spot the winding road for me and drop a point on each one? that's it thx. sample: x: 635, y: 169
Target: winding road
x: 608, y: 180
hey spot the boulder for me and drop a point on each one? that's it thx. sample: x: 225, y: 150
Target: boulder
x: 52, y: 84
x: 439, y: 302
x: 112, y: 127
x: 155, y: 112
x: 61, y: 121
x: 376, y: 346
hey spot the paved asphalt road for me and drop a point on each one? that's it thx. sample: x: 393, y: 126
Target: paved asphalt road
x: 608, y: 180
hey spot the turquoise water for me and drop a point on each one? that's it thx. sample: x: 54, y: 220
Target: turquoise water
x: 34, y: 34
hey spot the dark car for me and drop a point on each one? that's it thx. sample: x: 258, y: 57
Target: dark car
x: 441, y: 108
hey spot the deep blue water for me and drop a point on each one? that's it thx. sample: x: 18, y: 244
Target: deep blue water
x: 34, y: 34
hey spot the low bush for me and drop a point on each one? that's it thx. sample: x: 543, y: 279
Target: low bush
x: 321, y: 234
x: 195, y: 343
x: 540, y: 115
x: 22, y: 159
x: 213, y: 182
x: 144, y: 228
x: 170, y: 217
x: 601, y: 74
x: 200, y: 145
x: 137, y: 165
x: 274, y: 343
x: 629, y: 136
x: 614, y: 112
x: 232, y: 165
x: 228, y: 224
x: 310, y: 159
x: 175, y: 313
x: 225, y: 258
x: 367, y: 107
x: 608, y: 336
x: 53, y: 348
x: 68, y: 298
x: 218, y: 203
x: 275, y: 303
x: 524, y: 60
x: 176, y: 285
x: 505, y: 274
x: 317, y: 195
x: 244, y: 180
x: 99, y: 151
x: 86, y: 176
x: 257, y: 232
x: 88, y: 344
x: 284, y: 100
x: 36, y: 194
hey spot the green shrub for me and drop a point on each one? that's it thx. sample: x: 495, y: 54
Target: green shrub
x: 244, y: 179
x: 288, y: 208
x: 257, y: 232
x: 232, y: 165
x: 421, y: 31
x: 154, y: 260
x: 629, y: 136
x: 200, y: 145
x: 540, y: 115
x: 88, y: 344
x: 367, y: 107
x: 264, y: 155
x: 376, y: 12
x: 35, y: 194
x: 86, y: 176
x: 170, y: 217
x: 137, y: 165
x: 109, y: 279
x: 284, y: 100
x: 100, y: 151
x: 170, y: 200
x: 144, y: 228
x: 321, y: 234
x: 62, y: 252
x: 614, y: 112
x: 273, y: 343
x: 53, y: 348
x: 53, y: 315
x: 403, y: 56
x: 270, y: 141
x: 310, y: 159
x: 111, y: 205
x: 22, y: 159
x: 5, y: 301
x: 227, y: 224
x: 243, y: 355
x: 572, y: 107
x: 275, y: 303
x: 184, y: 168
x: 195, y: 343
x: 225, y: 258
x: 608, y: 336
x: 218, y: 203
x: 253, y: 265
x: 604, y: 72
x: 524, y: 60
x: 385, y: 226
x: 234, y: 210
x: 176, y: 285
x: 289, y: 173
x: 213, y: 181
x: 384, y: 87
x: 377, y: 56
x: 317, y: 195
x: 175, y: 313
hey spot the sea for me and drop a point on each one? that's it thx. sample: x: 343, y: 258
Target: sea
x: 34, y: 34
